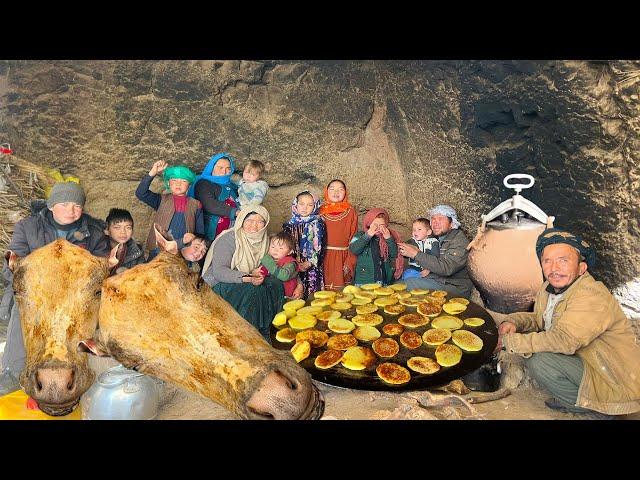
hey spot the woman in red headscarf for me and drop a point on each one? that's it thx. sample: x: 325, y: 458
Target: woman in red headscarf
x: 377, y: 250
x: 341, y: 221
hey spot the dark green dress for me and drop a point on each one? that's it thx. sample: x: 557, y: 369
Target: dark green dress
x: 256, y: 304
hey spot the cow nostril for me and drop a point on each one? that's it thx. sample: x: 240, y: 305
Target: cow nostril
x: 71, y: 381
x: 264, y: 415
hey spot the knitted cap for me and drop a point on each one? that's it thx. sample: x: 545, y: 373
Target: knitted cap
x: 66, y: 192
x: 178, y: 171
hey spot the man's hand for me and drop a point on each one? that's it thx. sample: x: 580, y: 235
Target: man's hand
x: 158, y: 167
x: 407, y: 250
x: 503, y: 329
x: 424, y: 273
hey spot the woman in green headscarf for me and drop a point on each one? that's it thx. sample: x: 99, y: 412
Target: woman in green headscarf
x: 231, y: 268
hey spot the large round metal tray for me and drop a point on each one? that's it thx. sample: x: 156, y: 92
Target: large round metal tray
x: 369, y: 380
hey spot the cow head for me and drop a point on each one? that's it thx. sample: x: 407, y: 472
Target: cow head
x: 57, y: 290
x: 159, y: 320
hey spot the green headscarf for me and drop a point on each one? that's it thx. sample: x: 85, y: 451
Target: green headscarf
x: 178, y: 171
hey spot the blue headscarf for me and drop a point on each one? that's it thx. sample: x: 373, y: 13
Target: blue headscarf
x: 207, y: 172
x: 447, y: 211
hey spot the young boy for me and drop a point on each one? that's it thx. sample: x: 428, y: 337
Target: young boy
x: 280, y: 263
x: 252, y: 190
x: 120, y: 231
x: 420, y: 232
x: 176, y: 214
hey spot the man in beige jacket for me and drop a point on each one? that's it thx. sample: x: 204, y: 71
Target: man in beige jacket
x: 578, y: 343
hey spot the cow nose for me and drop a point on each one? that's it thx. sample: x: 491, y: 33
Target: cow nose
x: 55, y: 382
x: 281, y: 397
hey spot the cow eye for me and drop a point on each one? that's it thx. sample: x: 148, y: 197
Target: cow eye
x: 98, y: 292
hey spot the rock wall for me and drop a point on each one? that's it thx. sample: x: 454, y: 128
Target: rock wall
x: 405, y: 135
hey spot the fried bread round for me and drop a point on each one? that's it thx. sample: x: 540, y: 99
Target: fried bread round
x: 439, y: 293
x: 454, y: 308
x: 328, y: 315
x: 386, y: 347
x: 361, y: 301
x: 461, y: 300
x: 467, y: 340
x: 364, y: 309
x: 436, y: 336
x: 413, y: 320
x: 341, y: 342
x: 398, y: 287
x: 428, y: 309
x: 315, y: 337
x: 328, y: 359
x: 411, y: 340
x: 400, y: 295
x: 301, y: 350
x: 411, y: 302
x: 366, y: 333
x: 325, y: 294
x: 351, y: 289
x: 385, y: 301
x: 382, y: 291
x: 448, y: 355
x: 293, y: 305
x: 363, y: 294
x: 474, y: 321
x: 393, y: 329
x: 425, y: 365
x: 437, y: 300
x: 371, y: 319
x: 321, y: 302
x: 311, y: 310
x: 418, y: 291
x: 280, y: 319
x: 394, y: 309
x: 344, y: 298
x: 286, y: 335
x: 358, y: 358
x: 393, y: 373
x: 370, y: 286
x: 302, y: 322
x: 341, y: 325
x: 447, y: 321
x: 340, y: 306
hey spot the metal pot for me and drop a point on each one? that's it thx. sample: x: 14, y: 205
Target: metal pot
x: 502, y: 260
x: 121, y: 394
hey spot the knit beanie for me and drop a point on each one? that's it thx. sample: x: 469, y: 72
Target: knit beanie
x: 66, y: 192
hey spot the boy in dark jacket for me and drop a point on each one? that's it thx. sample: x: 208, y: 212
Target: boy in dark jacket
x: 120, y: 231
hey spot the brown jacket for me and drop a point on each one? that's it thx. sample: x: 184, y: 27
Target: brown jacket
x: 588, y: 322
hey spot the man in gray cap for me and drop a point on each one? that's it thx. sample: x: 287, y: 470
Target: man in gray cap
x: 63, y: 218
x: 578, y: 344
x: 448, y: 270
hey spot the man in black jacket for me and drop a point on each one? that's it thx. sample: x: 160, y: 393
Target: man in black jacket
x: 63, y: 217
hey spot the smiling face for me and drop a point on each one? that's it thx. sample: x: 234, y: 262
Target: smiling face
x: 120, y: 232
x: 440, y: 224
x: 222, y: 167
x: 195, y: 251
x: 419, y: 231
x: 66, y: 213
x: 336, y: 192
x: 253, y: 223
x: 305, y: 205
x: 561, y: 264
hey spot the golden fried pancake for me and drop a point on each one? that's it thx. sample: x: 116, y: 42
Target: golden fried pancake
x: 467, y: 341
x: 385, y: 301
x: 286, y: 335
x: 398, y: 287
x: 328, y: 359
x: 400, y: 295
x: 321, y: 302
x: 369, y: 295
x: 371, y: 319
x: 447, y: 321
x: 386, y: 347
x: 358, y: 358
x: 351, y: 289
x: 439, y: 293
x: 454, y: 308
x: 361, y: 301
x: 302, y: 321
x: 411, y: 302
x: 280, y: 319
x: 344, y: 298
x: 393, y: 373
x: 340, y: 306
x: 293, y: 305
x: 418, y: 291
x: 368, y: 308
x: 325, y: 294
x: 411, y: 340
x: 315, y: 337
x: 366, y: 333
x: 328, y: 315
x: 310, y: 310
x: 436, y: 336
x: 448, y: 355
x: 383, y: 291
x: 394, y: 309
x: 301, y: 350
x: 341, y: 342
x: 437, y: 300
x: 425, y: 365
x: 474, y: 321
x: 461, y: 300
x: 370, y: 286
x: 393, y: 329
x: 412, y: 320
x: 428, y: 309
x: 341, y: 325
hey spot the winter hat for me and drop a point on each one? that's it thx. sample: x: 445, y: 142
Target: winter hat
x: 66, y: 192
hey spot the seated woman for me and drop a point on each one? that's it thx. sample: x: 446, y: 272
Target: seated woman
x: 232, y: 269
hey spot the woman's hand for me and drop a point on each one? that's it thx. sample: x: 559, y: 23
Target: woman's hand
x: 297, y: 293
x: 158, y: 167
x: 373, y: 229
x: 304, y: 266
x: 386, y: 234
x: 257, y: 280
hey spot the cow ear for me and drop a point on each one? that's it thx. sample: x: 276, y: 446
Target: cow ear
x: 170, y: 246
x: 93, y: 347
x: 12, y: 260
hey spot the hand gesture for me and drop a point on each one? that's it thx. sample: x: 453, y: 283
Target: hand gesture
x: 188, y: 238
x: 407, y: 250
x: 373, y: 229
x: 113, y: 256
x: 158, y: 167
x: 386, y: 234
